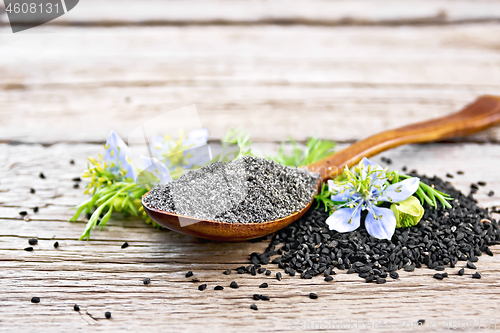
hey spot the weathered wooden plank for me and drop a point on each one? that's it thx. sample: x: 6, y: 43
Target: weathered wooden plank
x: 342, y: 84
x: 316, y: 12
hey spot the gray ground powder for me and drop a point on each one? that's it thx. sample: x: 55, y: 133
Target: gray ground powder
x: 247, y: 190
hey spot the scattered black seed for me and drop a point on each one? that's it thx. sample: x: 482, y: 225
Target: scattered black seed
x: 189, y: 274
x: 488, y: 252
x: 461, y: 272
x: 313, y: 296
x: 23, y: 213
x: 76, y: 185
x: 394, y: 275
x: 381, y: 281
x: 71, y: 161
x: 264, y: 285
x: 279, y: 276
x: 439, y: 268
x: 33, y: 241
x: 265, y: 298
x: 409, y: 268
x: 491, y: 193
x: 476, y: 275
x: 107, y: 314
x: 268, y: 272
x: 146, y: 281
x: 257, y: 297
x: 124, y: 245
x: 254, y: 307
x: 383, y: 275
x: 32, y: 191
x: 41, y: 175
x: 329, y: 278
x: 76, y: 307
x: 291, y: 272
x: 234, y: 285
x: 460, y: 172
x: 481, y: 183
x: 218, y: 288
x: 56, y: 245
x: 421, y: 321
x: 445, y: 275
x: 261, y: 270
x: 35, y: 210
x: 77, y: 179
x: 351, y: 270
x: 474, y: 259
x: 35, y: 299
x: 29, y: 248
x: 471, y: 265
x: 404, y: 169
x: 386, y: 160
x: 449, y: 175
x: 438, y: 276
x: 474, y: 186
x: 369, y: 279
x: 227, y: 272
x: 195, y: 280
x: 202, y: 287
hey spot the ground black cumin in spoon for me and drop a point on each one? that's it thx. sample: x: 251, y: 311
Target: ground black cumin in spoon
x: 248, y: 190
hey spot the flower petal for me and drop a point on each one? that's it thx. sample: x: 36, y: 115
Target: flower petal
x: 117, y: 150
x: 380, y: 222
x: 400, y: 191
x: 196, y: 138
x: 345, y: 219
x: 373, y: 166
x: 155, y: 168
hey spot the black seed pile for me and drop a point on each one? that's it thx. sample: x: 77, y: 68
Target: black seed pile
x: 441, y: 239
x: 247, y: 190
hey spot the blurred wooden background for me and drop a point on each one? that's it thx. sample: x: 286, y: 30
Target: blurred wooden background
x: 339, y: 70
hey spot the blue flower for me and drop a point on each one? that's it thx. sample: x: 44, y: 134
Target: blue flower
x: 364, y: 188
x: 118, y: 153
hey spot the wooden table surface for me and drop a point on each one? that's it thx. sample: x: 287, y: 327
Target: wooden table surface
x: 340, y: 70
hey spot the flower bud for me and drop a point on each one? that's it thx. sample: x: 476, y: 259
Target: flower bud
x: 408, y: 212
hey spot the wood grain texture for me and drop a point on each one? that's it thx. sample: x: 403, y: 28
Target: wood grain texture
x: 100, y: 276
x: 241, y: 12
x: 272, y: 80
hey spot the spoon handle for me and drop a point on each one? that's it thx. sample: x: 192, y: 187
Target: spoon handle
x: 475, y: 117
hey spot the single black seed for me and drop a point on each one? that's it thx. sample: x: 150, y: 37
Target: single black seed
x: 291, y: 272
x: 71, y: 161
x: 264, y: 285
x: 481, y: 183
x: 257, y: 296
x: 438, y: 276
x: 218, y: 288
x: 476, y: 275
x: 329, y: 278
x: 279, y: 276
x: 409, y: 268
x: 234, y: 285
x: 23, y: 213
x: 146, y: 281
x: 56, y: 245
x: 404, y: 169
x: 35, y: 210
x: 227, y: 272
x: 35, y: 299
x: 202, y: 287
x: 381, y: 281
x: 370, y: 279
x: 254, y: 307
x: 394, y: 275
x: 313, y: 296
x: 383, y: 275
x: 351, y: 270
x: 29, y: 248
x: 445, y: 275
x: 461, y: 272
x: 76, y: 186
x: 41, y: 175
x: 76, y: 307
x: 421, y: 321
x: 33, y: 241
x: 124, y: 245
x: 473, y: 259
x: 439, y: 268
x: 32, y: 191
x: 471, y: 265
x: 77, y: 179
x: 460, y: 172
x: 107, y: 314
x: 449, y: 175
x: 474, y: 186
x: 261, y: 270
x: 488, y: 251
x: 195, y: 280
x: 240, y: 271
x: 268, y: 272
x: 189, y: 274
x: 265, y: 298
x: 491, y: 193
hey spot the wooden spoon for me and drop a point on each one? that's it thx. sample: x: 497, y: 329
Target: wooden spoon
x: 478, y: 116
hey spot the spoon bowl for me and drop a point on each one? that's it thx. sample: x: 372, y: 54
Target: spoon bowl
x: 477, y: 116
